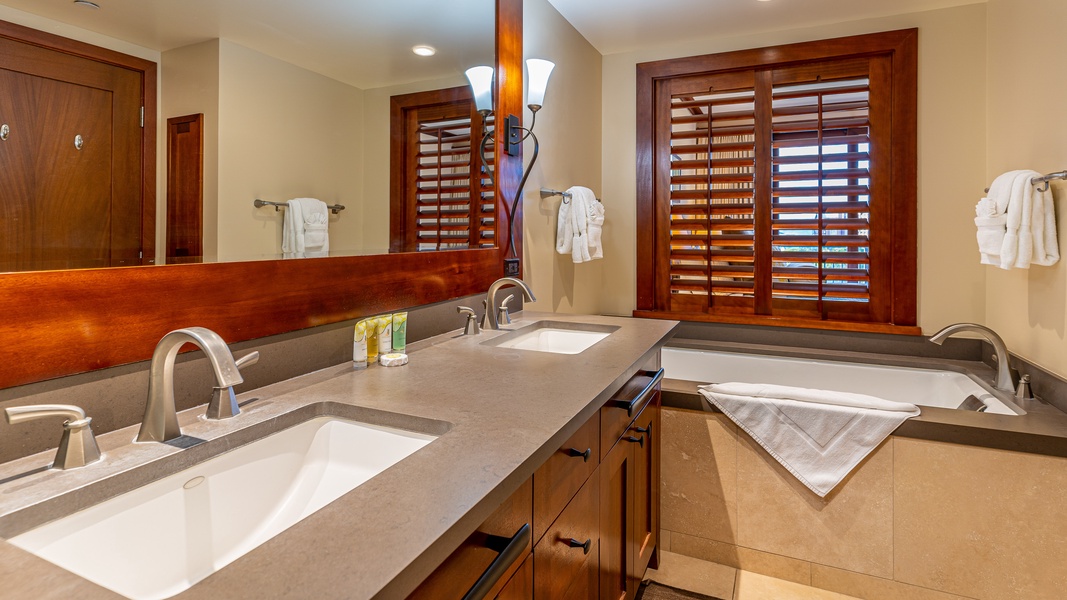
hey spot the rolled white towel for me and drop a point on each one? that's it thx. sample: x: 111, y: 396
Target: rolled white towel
x: 986, y: 208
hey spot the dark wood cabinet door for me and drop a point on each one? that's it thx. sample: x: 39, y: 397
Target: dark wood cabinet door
x: 616, y: 522
x: 646, y: 489
x: 559, y: 562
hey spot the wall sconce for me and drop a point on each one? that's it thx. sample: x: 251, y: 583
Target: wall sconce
x: 481, y: 79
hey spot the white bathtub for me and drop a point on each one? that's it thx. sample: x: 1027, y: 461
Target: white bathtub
x: 924, y: 387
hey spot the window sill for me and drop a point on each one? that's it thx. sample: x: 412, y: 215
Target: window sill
x: 771, y: 321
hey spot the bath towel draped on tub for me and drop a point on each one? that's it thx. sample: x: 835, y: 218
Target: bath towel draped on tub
x: 818, y: 435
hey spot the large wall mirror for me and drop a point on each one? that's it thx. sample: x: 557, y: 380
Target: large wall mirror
x: 69, y: 321
x: 276, y: 100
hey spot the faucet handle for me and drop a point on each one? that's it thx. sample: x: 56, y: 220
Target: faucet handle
x: 503, y: 317
x: 223, y: 404
x: 471, y: 327
x: 77, y: 447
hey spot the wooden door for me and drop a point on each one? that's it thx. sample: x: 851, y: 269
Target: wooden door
x: 16, y: 165
x: 185, y: 187
x: 77, y: 175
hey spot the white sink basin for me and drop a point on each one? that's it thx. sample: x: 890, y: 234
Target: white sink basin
x: 560, y: 341
x: 160, y: 539
x: 559, y: 337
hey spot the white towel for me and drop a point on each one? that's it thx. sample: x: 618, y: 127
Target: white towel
x: 305, y: 227
x: 1016, y: 223
x: 818, y: 435
x: 579, y: 226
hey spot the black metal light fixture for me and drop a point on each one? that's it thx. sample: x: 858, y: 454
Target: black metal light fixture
x: 481, y: 79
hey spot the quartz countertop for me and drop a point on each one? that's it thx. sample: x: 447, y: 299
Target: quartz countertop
x: 500, y: 414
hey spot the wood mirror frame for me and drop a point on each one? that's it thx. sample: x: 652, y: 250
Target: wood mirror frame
x: 58, y: 323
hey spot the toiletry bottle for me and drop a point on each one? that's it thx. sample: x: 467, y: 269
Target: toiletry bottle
x: 372, y: 340
x: 359, y: 345
x: 400, y: 332
x: 385, y: 334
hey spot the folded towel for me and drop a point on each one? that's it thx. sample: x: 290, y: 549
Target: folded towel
x: 818, y: 435
x: 305, y: 227
x: 1046, y: 249
x: 1017, y: 223
x: 580, y: 225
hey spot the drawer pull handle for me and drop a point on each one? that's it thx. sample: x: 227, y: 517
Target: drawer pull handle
x: 573, y: 543
x: 576, y: 453
x: 630, y: 405
x: 513, y: 549
x: 635, y: 440
x: 645, y: 430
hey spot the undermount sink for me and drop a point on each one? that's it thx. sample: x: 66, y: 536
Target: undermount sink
x: 552, y: 336
x: 160, y: 539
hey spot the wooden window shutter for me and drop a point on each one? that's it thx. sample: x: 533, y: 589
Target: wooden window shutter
x: 442, y: 197
x: 780, y: 185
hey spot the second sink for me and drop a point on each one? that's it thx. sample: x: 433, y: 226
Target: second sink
x: 557, y: 337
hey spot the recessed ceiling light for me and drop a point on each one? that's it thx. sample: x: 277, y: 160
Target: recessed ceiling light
x: 424, y: 50
x: 87, y: 4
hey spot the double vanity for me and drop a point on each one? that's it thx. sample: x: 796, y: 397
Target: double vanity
x: 351, y: 483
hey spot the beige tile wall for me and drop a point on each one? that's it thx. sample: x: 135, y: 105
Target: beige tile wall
x: 916, y: 520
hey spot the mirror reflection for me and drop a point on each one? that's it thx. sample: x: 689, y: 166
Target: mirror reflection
x: 267, y: 100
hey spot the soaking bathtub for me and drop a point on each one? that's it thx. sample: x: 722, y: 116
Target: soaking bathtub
x: 924, y: 387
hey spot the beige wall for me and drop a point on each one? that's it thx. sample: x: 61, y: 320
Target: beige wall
x: 1027, y: 125
x: 951, y: 152
x: 191, y: 76
x: 284, y: 132
x: 569, y: 131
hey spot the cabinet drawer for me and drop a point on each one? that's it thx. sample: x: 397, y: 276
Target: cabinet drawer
x: 562, y: 475
x: 560, y: 560
x: 474, y: 557
x: 619, y: 412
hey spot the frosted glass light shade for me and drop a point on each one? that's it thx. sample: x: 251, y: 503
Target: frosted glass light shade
x: 538, y: 70
x: 481, y: 79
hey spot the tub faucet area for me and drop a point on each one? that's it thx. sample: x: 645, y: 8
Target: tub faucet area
x: 160, y: 423
x: 1003, y: 381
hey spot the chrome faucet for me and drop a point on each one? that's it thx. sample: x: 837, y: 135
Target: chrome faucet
x: 1003, y: 381
x: 490, y: 320
x: 77, y: 447
x: 160, y: 422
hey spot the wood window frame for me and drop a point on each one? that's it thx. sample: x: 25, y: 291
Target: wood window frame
x: 901, y: 48
x: 407, y: 111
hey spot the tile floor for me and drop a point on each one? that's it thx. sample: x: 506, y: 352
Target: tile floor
x: 724, y: 582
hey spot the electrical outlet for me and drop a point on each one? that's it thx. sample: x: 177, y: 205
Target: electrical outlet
x: 511, y: 267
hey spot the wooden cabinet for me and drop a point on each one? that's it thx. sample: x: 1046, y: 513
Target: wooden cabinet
x: 629, y: 487
x: 496, y: 544
x: 593, y: 510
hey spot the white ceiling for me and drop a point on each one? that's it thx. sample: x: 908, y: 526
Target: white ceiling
x: 366, y: 43
x: 614, y: 26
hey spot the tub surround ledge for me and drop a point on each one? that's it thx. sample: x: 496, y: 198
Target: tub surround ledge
x: 500, y: 414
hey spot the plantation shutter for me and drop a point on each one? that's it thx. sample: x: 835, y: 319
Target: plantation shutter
x: 453, y: 194
x: 711, y: 158
x: 774, y: 182
x: 446, y: 199
x: 822, y: 131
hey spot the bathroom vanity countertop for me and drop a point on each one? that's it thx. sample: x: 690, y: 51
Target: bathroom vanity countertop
x: 506, y: 412
x: 1042, y: 430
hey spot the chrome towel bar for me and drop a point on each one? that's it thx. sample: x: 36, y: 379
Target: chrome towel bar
x: 334, y: 208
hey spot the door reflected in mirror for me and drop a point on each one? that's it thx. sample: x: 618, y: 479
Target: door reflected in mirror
x: 293, y: 102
